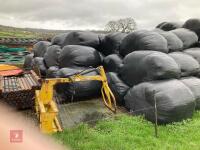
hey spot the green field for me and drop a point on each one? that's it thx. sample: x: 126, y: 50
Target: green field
x: 12, y: 32
x: 129, y: 133
x: 17, y: 34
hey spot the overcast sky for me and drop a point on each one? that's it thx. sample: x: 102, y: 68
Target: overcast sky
x: 94, y: 14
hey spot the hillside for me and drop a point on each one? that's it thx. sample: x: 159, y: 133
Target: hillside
x: 12, y: 32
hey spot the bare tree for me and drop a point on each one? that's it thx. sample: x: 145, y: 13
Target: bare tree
x: 124, y: 25
x: 112, y: 26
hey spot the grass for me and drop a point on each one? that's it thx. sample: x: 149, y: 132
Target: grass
x: 129, y: 133
x: 17, y: 34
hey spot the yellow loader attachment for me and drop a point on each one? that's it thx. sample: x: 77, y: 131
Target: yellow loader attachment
x: 46, y: 107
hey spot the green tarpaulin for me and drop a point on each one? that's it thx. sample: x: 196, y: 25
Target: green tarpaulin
x: 5, y: 49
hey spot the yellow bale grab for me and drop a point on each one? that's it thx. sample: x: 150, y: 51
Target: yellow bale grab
x: 46, y: 107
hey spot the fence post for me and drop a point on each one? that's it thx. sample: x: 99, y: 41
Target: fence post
x: 156, y: 115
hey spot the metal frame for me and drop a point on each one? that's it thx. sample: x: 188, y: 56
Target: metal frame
x: 46, y: 107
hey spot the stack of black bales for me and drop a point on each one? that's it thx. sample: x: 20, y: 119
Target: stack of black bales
x: 161, y: 64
